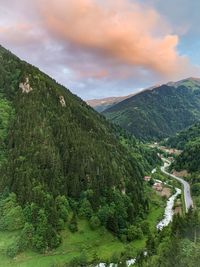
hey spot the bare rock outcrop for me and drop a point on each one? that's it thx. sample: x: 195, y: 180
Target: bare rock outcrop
x: 25, y: 86
x: 62, y: 101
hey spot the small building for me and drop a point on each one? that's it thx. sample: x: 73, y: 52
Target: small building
x: 147, y: 178
x: 158, y: 187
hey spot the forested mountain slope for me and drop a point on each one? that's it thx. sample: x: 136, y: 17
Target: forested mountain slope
x: 189, y: 141
x: 180, y: 245
x: 183, y: 137
x: 160, y: 112
x: 59, y: 156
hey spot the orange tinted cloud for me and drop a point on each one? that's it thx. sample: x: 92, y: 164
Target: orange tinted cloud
x: 95, y: 74
x: 126, y: 32
x: 20, y: 34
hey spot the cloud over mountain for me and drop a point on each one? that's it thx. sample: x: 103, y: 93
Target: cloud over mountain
x: 125, y: 31
x: 100, y: 41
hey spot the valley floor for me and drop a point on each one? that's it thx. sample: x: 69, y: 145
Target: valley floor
x: 98, y: 244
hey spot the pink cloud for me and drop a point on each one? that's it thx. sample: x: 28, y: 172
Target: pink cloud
x: 95, y: 45
x: 127, y: 32
x: 21, y: 34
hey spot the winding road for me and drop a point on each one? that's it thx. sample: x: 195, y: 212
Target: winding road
x: 186, y: 186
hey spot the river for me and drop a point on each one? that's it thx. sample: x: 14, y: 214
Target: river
x: 168, y: 215
x: 167, y: 218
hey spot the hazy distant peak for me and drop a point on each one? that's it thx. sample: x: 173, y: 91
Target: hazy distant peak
x: 104, y: 103
x: 109, y: 100
x: 194, y: 79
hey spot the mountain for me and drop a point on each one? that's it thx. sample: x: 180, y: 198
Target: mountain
x: 187, y: 140
x: 60, y: 159
x: 192, y: 83
x: 170, y: 249
x: 102, y: 104
x: 182, y: 138
x: 159, y: 112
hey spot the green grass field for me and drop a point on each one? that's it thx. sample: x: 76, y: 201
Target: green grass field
x: 95, y: 244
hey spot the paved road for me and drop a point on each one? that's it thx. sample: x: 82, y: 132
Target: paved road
x: 186, y: 186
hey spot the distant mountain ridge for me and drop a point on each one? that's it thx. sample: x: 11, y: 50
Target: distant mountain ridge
x: 189, y: 82
x: 159, y: 112
x: 104, y: 103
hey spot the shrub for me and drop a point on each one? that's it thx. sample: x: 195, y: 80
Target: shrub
x: 134, y: 232
x: 12, y: 251
x: 85, y: 209
x: 94, y: 222
x: 73, y: 226
x: 79, y: 261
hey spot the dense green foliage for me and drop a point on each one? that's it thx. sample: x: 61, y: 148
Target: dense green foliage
x: 11, y: 214
x: 183, y: 137
x: 189, y: 159
x: 158, y: 113
x: 60, y: 158
x: 5, y: 116
x: 97, y: 244
x: 145, y: 156
x: 178, y: 246
x: 189, y: 141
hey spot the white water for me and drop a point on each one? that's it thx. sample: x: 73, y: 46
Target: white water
x: 128, y: 264
x: 168, y: 215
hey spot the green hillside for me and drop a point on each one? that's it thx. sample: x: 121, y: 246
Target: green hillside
x: 183, y: 137
x: 189, y: 159
x: 189, y: 141
x: 180, y: 245
x: 60, y: 161
x: 160, y: 112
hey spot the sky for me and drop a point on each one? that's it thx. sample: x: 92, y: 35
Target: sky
x: 101, y: 48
